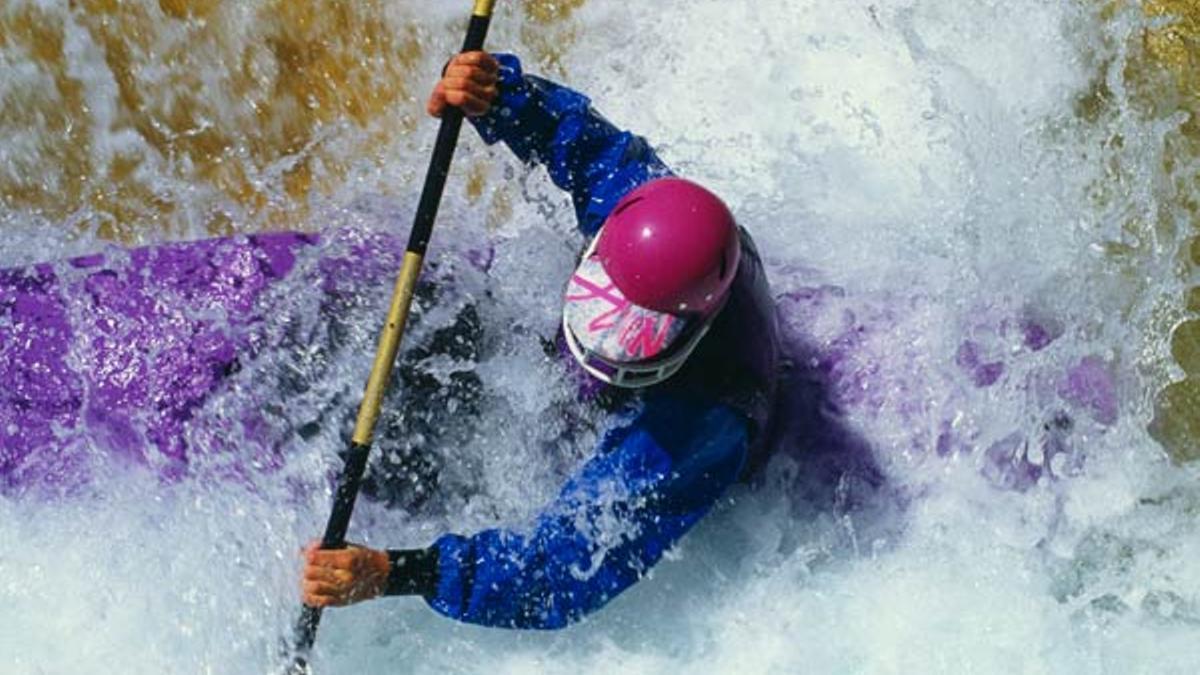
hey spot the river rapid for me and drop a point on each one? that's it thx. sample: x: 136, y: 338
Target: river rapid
x: 978, y: 218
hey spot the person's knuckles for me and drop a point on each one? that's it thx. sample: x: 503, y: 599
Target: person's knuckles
x: 323, y: 574
x: 471, y: 72
x: 480, y: 59
x: 474, y: 98
x: 459, y: 83
x: 464, y: 72
x: 481, y: 76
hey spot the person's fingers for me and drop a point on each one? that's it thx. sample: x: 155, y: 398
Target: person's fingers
x: 342, y: 557
x: 318, y: 589
x: 482, y: 59
x: 320, y: 558
x: 337, y: 559
x: 469, y: 82
x: 480, y: 91
x: 476, y: 102
x: 437, y: 101
x: 470, y: 104
x: 329, y: 575
x: 474, y: 74
x: 318, y: 600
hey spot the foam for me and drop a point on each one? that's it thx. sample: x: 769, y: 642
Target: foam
x: 927, y: 162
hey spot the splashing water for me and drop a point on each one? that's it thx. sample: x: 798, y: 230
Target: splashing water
x: 973, y: 216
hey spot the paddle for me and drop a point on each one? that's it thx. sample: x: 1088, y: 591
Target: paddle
x: 389, y: 341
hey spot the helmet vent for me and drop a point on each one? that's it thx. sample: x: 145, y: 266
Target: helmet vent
x: 624, y: 206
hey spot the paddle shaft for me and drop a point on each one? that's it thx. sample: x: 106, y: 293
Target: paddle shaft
x: 389, y: 340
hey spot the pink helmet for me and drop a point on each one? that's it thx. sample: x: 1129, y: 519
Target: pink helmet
x: 671, y: 246
x: 651, y: 282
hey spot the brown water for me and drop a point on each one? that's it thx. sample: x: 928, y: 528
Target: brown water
x: 235, y: 112
x: 1177, y: 49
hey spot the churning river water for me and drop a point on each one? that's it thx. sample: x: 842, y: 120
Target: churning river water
x: 978, y: 218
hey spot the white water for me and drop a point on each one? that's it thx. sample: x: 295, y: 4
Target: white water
x: 926, y: 155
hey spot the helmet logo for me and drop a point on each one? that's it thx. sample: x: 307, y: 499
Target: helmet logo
x: 609, y: 293
x: 645, y: 336
x: 638, y: 334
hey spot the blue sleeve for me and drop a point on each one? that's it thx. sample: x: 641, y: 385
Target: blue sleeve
x: 547, y: 123
x: 651, y: 481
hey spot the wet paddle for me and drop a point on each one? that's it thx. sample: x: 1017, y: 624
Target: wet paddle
x: 389, y: 341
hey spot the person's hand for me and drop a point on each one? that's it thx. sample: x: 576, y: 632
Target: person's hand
x: 345, y: 576
x: 469, y: 83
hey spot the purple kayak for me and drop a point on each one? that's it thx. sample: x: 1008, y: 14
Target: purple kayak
x: 870, y: 366
x: 113, y: 356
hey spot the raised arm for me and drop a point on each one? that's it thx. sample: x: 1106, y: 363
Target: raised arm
x: 546, y: 123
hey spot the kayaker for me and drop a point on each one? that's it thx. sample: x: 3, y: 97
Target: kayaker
x: 670, y: 303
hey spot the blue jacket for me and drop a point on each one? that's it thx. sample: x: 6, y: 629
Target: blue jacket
x: 653, y: 476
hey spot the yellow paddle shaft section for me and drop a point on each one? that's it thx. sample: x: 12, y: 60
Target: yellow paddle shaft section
x: 483, y: 7
x: 389, y: 344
